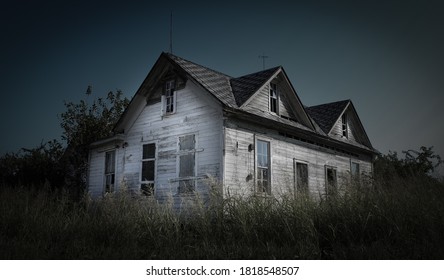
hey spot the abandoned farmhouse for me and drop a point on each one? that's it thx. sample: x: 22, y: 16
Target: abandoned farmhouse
x: 252, y: 134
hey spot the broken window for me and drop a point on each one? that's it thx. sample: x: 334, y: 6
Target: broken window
x: 344, y: 126
x: 263, y: 167
x: 273, y: 98
x: 110, y: 165
x: 170, y: 97
x: 331, y: 180
x: 301, y: 176
x: 148, y: 169
x: 187, y: 163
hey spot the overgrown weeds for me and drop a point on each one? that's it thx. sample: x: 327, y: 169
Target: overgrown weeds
x: 400, y: 220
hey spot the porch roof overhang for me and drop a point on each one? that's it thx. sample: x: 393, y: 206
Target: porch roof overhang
x: 115, y: 140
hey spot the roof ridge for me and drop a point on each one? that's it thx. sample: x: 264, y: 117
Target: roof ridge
x: 258, y: 72
x: 215, y: 82
x: 197, y: 64
x: 329, y: 103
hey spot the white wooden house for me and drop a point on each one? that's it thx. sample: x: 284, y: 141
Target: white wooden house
x: 252, y: 134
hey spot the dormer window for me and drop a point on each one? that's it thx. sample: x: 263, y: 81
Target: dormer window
x: 344, y: 126
x: 274, y: 99
x: 170, y: 97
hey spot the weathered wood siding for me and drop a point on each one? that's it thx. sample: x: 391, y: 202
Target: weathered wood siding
x: 239, y: 172
x: 286, y: 99
x: 262, y: 100
x: 96, y: 172
x: 197, y: 113
x: 355, y: 134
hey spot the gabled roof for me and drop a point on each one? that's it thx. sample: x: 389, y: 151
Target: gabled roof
x: 244, y: 87
x: 234, y: 93
x: 326, y: 115
x: 215, y: 82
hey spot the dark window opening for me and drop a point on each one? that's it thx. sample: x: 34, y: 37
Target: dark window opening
x: 331, y: 180
x: 301, y: 175
x: 273, y: 98
x: 263, y: 167
x: 110, y: 165
x: 344, y: 126
x: 354, y: 170
x: 170, y: 101
x: 148, y: 169
x: 187, y: 163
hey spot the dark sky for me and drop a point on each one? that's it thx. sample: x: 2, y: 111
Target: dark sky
x: 387, y: 56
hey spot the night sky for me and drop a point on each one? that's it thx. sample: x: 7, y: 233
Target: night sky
x: 386, y: 56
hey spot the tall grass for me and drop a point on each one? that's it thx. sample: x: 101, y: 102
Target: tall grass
x: 401, y: 219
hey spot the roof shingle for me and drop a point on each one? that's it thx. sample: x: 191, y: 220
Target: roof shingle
x: 215, y: 82
x: 244, y: 87
x: 326, y: 115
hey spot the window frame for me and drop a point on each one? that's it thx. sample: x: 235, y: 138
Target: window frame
x: 331, y: 189
x: 112, y: 173
x: 356, y: 176
x: 150, y: 183
x: 344, y: 125
x: 184, y: 189
x: 259, y: 188
x: 273, y: 99
x: 300, y: 189
x: 169, y: 97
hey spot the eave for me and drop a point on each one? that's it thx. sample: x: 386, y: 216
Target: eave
x: 299, y: 132
x: 116, y: 141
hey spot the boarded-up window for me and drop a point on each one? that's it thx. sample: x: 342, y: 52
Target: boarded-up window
x: 331, y: 180
x: 148, y: 169
x: 263, y: 167
x: 274, y: 99
x: 301, y: 176
x: 110, y: 165
x: 187, y: 163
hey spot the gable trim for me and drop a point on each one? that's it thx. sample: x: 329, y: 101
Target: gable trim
x: 274, y: 75
x: 306, y: 120
x: 339, y: 117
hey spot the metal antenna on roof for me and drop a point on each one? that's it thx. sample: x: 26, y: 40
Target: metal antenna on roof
x: 263, y: 60
x: 171, y: 32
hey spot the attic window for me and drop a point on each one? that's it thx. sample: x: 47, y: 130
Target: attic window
x: 273, y: 98
x: 170, y: 97
x: 344, y: 126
